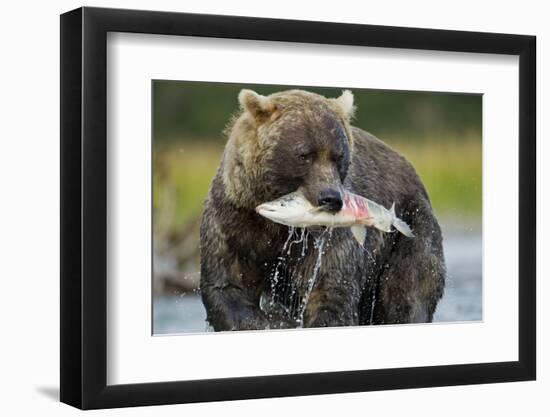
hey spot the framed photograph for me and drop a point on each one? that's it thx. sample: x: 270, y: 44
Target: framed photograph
x: 258, y: 208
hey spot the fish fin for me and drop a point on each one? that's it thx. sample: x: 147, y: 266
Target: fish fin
x: 402, y: 227
x: 359, y: 233
x: 392, y: 209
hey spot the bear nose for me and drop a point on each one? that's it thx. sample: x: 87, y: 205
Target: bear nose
x: 330, y: 199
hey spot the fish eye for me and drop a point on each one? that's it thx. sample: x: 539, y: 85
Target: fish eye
x: 306, y: 157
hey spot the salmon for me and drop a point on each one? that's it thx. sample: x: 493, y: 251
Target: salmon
x: 357, y: 213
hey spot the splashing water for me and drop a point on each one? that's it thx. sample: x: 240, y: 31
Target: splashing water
x: 304, y: 244
x: 373, y: 304
x: 274, y: 279
x: 297, y: 241
x: 297, y: 303
x: 319, y: 244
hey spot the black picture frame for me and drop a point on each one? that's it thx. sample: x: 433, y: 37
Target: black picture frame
x: 84, y: 207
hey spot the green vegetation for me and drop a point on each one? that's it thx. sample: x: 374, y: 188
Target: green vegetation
x: 451, y: 171
x: 185, y: 111
x: 181, y: 179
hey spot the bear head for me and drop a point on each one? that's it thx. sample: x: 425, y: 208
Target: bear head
x: 287, y: 141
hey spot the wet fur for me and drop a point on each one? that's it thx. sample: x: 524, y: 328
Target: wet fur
x: 393, y: 279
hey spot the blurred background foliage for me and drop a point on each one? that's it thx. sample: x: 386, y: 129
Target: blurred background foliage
x: 440, y: 133
x: 199, y: 111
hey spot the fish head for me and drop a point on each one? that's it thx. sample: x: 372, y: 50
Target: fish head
x: 289, y: 210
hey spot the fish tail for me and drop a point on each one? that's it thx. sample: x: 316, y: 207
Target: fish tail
x: 399, y: 224
x: 402, y: 227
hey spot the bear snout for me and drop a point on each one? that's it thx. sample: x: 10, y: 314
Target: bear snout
x: 330, y: 200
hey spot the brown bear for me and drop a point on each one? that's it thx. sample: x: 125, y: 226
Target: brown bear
x: 256, y: 274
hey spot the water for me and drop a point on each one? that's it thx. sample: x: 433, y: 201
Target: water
x: 273, y: 308
x: 319, y: 244
x: 462, y: 300
x: 274, y: 278
x: 178, y: 314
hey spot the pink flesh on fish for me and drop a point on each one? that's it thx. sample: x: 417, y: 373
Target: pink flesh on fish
x: 356, y: 206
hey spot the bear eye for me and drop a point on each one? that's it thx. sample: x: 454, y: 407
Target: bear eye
x: 305, y: 157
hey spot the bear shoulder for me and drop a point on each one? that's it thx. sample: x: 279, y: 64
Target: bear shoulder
x: 380, y: 172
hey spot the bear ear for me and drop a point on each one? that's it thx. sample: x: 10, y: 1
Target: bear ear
x: 260, y: 107
x: 345, y: 102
